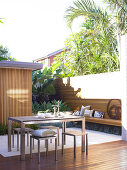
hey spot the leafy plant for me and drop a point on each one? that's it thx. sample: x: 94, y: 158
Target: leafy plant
x: 3, y: 129
x: 1, y: 20
x: 119, y: 13
x: 48, y: 106
x: 4, y: 52
x: 63, y: 106
x: 35, y: 107
x: 42, y: 86
x: 5, y: 55
x: 94, y: 48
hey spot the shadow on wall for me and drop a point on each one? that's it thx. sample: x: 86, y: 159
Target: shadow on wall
x: 74, y: 100
x: 68, y: 94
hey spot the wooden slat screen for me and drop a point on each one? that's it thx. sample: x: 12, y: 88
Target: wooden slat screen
x: 15, y: 93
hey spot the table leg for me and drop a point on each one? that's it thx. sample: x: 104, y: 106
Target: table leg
x: 9, y: 135
x: 22, y: 143
x: 63, y: 130
x: 83, y: 136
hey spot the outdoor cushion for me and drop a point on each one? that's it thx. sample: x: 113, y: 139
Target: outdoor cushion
x: 41, y: 115
x: 88, y: 113
x: 98, y: 114
x: 77, y: 113
x: 83, y: 108
x: 43, y: 132
x: 49, y: 115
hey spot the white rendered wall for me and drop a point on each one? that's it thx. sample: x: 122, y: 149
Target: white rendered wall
x: 124, y: 85
x: 98, y: 86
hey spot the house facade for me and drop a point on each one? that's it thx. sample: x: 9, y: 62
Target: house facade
x: 50, y: 58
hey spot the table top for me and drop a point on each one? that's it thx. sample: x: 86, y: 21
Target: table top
x: 27, y: 119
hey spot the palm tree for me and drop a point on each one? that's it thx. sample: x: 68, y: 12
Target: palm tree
x: 1, y: 48
x: 119, y: 11
x: 84, y: 8
x: 89, y: 9
x: 102, y: 21
x: 1, y: 21
x: 103, y: 25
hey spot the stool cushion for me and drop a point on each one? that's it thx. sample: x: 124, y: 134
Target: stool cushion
x: 74, y: 133
x: 26, y: 129
x: 48, y: 127
x: 43, y: 132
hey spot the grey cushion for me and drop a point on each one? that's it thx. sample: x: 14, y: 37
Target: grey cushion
x: 83, y: 108
x: 98, y: 114
x: 77, y: 113
x: 43, y: 132
x: 88, y: 113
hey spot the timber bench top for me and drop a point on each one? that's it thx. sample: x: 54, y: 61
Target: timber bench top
x: 104, y: 121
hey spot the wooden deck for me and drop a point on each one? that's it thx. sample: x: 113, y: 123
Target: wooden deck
x: 112, y: 155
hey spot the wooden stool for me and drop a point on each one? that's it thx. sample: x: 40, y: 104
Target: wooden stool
x: 18, y: 130
x: 43, y: 138
x: 74, y: 134
x: 52, y: 127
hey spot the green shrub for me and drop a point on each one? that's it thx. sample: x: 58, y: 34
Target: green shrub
x: 32, y: 126
x: 3, y: 129
x: 104, y: 128
x: 35, y: 107
x: 99, y: 127
x: 48, y: 107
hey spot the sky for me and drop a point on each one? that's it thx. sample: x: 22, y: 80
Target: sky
x: 34, y: 28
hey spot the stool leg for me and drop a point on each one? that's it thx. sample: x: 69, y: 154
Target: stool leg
x: 33, y: 143
x: 64, y: 130
x: 30, y: 147
x: 46, y: 147
x: 83, y: 150
x: 58, y: 134
x: 13, y: 140
x: 62, y: 143
x: 74, y: 146
x: 17, y: 141
x: 39, y: 151
x: 45, y: 143
x: 56, y: 149
x: 27, y: 138
x: 86, y: 144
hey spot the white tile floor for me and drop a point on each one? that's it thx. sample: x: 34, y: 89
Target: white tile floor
x: 94, y: 137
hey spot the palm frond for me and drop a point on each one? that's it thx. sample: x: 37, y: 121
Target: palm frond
x: 119, y: 8
x: 1, y: 21
x: 84, y: 8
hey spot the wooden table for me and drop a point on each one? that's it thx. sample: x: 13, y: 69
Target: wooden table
x: 37, y: 120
